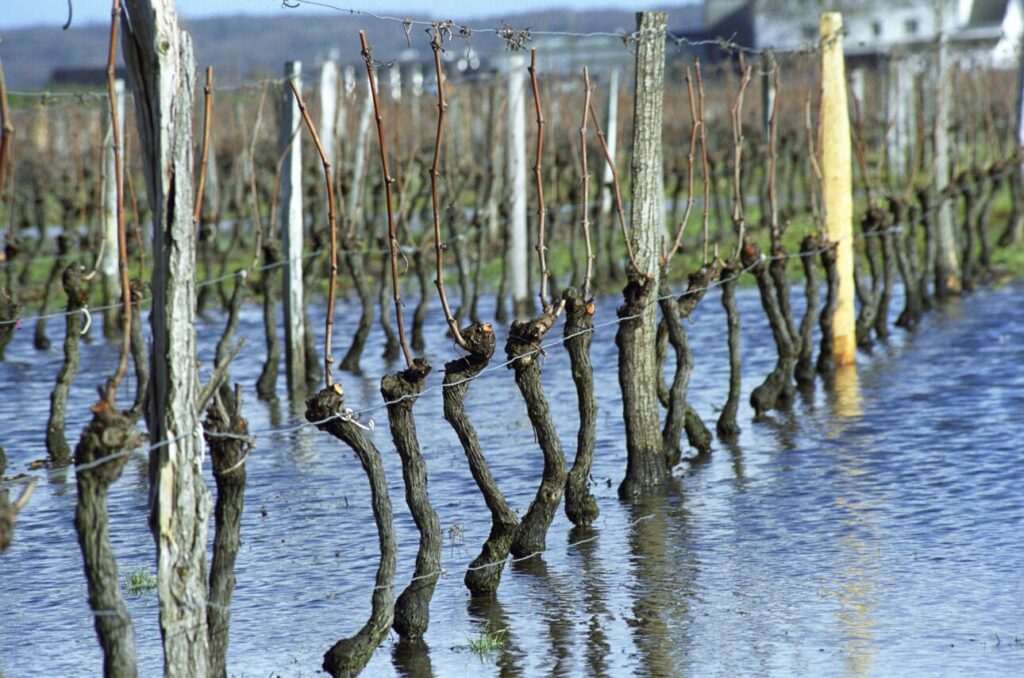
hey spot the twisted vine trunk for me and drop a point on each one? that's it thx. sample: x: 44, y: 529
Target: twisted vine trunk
x: 412, y: 609
x: 804, y: 372
x: 726, y: 426
x: 227, y: 434
x: 349, y: 656
x: 580, y: 506
x: 681, y: 416
x: 108, y: 433
x: 776, y: 392
x: 77, y: 288
x: 906, y: 259
x: 140, y: 354
x: 523, y: 348
x: 827, y: 353
x: 354, y: 264
x: 484, y: 574
x: 266, y: 385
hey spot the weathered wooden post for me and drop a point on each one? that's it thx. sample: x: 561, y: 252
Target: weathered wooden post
x: 329, y: 106
x: 837, y: 185
x: 899, y: 112
x: 162, y: 71
x: 291, y: 231
x: 638, y: 364
x: 108, y: 265
x: 518, y: 254
x: 947, y: 264
x: 612, y: 137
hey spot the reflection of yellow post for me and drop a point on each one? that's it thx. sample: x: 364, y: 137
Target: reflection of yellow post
x: 837, y: 184
x: 847, y: 392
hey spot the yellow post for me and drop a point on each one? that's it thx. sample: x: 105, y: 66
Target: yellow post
x: 837, y: 186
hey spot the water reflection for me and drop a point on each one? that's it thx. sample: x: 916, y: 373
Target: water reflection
x: 488, y: 616
x: 594, y: 603
x: 664, y: 573
x: 412, y: 659
x: 845, y: 393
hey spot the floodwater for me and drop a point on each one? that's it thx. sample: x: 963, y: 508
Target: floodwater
x: 875, y: 530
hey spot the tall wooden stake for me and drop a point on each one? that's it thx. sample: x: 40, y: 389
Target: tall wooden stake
x: 837, y: 185
x: 516, y: 149
x: 291, y: 231
x: 638, y: 364
x: 162, y: 69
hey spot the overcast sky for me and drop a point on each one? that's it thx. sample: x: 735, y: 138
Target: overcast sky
x: 17, y: 13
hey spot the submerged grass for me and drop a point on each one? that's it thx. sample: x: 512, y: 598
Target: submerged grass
x: 138, y: 582
x: 487, y: 642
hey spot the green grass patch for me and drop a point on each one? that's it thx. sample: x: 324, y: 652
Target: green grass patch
x: 138, y: 582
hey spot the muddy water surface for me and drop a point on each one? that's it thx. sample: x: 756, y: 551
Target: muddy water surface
x: 875, y: 530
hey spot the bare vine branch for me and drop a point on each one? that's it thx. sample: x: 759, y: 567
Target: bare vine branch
x: 537, y: 175
x: 442, y: 108
x: 388, y: 181
x: 332, y: 221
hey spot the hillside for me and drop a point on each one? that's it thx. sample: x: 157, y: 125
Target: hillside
x: 243, y: 46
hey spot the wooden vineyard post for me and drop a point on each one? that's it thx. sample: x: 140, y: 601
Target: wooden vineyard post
x: 162, y: 70
x: 947, y: 265
x: 328, y: 106
x: 837, y: 186
x: 518, y: 255
x: 635, y: 338
x: 612, y: 132
x: 108, y: 265
x: 291, y: 231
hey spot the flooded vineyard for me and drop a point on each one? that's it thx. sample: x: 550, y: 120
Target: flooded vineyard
x: 479, y: 374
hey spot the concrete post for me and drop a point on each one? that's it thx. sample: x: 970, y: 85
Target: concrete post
x: 291, y: 231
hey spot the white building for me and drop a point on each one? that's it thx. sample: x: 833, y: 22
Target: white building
x: 985, y: 31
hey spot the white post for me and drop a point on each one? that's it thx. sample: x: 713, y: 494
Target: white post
x: 947, y: 264
x: 329, y: 108
x: 108, y: 264
x: 899, y: 112
x: 291, y: 230
x: 611, y: 136
x: 518, y: 255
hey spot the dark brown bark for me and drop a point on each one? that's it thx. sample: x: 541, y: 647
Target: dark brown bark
x: 227, y: 434
x: 776, y: 392
x: 680, y: 415
x: 726, y: 426
x: 1015, y: 226
x: 580, y: 506
x: 827, y: 353
x: 875, y: 222
x: 140, y: 354
x: 64, y: 243
x: 906, y: 259
x: 266, y: 385
x: 9, y: 311
x: 391, y: 348
x: 77, y: 288
x: 108, y: 433
x: 484, y: 573
x: 805, y: 371
x: 889, y: 261
x: 523, y: 346
x: 412, y: 609
x: 967, y: 265
x: 420, y: 314
x: 349, y: 656
x: 354, y: 263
